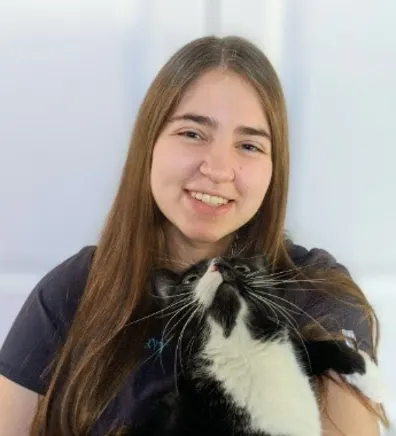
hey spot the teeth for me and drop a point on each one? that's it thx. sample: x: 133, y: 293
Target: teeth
x: 212, y: 200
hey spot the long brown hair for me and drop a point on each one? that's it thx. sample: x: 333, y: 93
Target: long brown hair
x: 103, y: 347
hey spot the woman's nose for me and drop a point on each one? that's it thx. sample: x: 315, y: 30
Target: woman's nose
x: 217, y: 165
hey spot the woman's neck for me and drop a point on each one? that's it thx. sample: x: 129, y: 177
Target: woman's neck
x: 184, y: 252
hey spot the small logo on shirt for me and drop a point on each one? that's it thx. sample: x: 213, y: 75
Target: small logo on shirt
x: 349, y: 334
x: 154, y: 344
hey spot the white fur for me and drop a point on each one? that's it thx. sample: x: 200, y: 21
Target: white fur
x: 370, y: 383
x: 265, y: 379
x: 206, y: 287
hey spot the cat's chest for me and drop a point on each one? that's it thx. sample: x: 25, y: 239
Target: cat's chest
x: 266, y: 380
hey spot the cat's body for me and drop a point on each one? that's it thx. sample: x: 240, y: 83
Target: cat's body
x: 242, y: 370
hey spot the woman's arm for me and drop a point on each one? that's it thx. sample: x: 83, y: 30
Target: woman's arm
x: 17, y: 408
x: 346, y: 415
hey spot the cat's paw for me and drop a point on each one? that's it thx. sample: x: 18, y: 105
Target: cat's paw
x: 371, y: 383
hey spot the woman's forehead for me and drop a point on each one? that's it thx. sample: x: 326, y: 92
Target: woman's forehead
x: 225, y: 97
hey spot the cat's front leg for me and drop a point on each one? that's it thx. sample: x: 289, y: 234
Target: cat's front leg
x: 356, y: 367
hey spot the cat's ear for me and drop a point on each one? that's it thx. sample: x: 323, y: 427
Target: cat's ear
x: 260, y: 262
x: 163, y: 281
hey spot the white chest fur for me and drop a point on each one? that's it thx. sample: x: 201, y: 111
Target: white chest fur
x: 265, y: 379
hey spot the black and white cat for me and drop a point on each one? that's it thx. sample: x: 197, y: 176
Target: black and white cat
x: 242, y: 369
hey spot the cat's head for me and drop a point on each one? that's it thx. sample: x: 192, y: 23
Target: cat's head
x: 223, y: 296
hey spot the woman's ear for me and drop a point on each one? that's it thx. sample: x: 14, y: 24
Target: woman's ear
x: 164, y: 282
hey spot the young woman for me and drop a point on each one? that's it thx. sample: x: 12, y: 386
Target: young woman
x: 206, y: 174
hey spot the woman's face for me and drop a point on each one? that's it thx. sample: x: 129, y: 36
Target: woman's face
x: 212, y: 162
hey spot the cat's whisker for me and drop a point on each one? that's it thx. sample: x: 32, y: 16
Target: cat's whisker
x: 181, y: 300
x: 292, y: 324
x: 183, y: 316
x: 165, y: 297
x: 268, y: 279
x: 302, y: 268
x: 192, y: 342
x: 317, y: 280
x: 177, y: 346
x: 256, y: 297
x: 285, y: 272
x: 175, y: 313
x: 301, y: 311
x: 273, y: 302
x: 175, y: 325
x: 296, y: 272
x: 286, y: 312
x: 199, y: 322
x: 181, y: 336
x: 164, y: 332
x: 259, y: 287
x: 158, y: 312
x: 291, y: 274
x: 281, y: 309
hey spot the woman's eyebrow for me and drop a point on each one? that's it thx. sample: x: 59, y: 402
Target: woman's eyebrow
x: 200, y: 119
x: 252, y: 131
x: 213, y: 123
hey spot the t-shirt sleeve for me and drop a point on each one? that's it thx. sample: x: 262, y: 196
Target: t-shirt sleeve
x: 42, y: 323
x: 335, y: 313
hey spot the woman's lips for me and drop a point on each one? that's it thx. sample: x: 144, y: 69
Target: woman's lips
x: 208, y: 208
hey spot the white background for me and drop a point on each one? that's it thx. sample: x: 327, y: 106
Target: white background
x: 72, y: 74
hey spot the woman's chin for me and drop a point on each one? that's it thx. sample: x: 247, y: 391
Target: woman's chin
x: 196, y: 234
x: 204, y: 236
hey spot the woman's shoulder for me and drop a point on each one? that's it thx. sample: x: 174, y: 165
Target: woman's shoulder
x: 323, y: 301
x: 70, y: 275
x: 62, y: 287
x: 44, y: 320
x: 319, y: 257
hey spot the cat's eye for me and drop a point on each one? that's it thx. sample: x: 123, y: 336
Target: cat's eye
x: 191, y: 278
x: 244, y: 269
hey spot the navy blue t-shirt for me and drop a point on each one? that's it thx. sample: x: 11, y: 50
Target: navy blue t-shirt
x: 44, y: 320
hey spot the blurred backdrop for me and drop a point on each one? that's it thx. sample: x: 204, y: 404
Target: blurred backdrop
x: 72, y: 74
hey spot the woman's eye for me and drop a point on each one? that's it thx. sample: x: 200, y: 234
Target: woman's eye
x: 242, y: 268
x: 191, y: 278
x: 251, y: 147
x: 190, y: 134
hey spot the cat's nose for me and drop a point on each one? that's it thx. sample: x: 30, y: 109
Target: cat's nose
x: 224, y: 268
x: 220, y: 264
